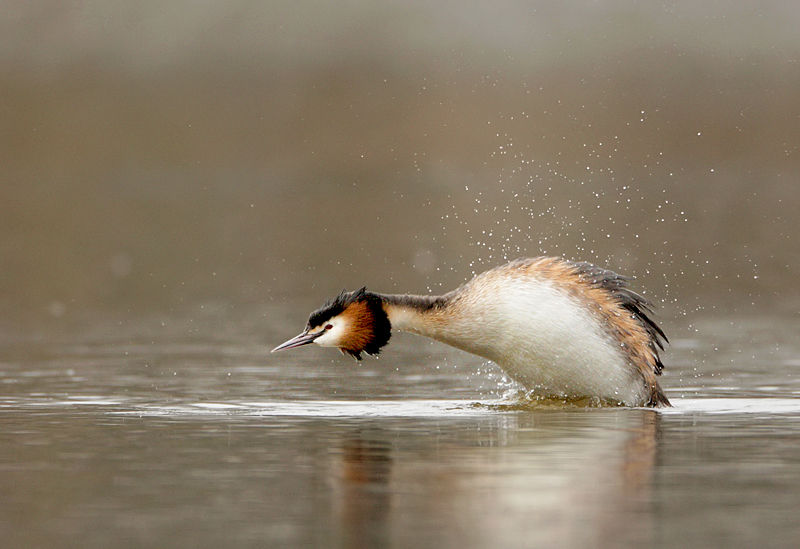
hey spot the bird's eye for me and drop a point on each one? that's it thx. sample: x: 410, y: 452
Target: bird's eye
x: 329, y: 326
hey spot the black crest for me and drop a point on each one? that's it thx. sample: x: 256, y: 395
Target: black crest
x: 330, y: 309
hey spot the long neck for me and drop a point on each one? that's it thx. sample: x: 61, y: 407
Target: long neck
x: 441, y: 318
x: 436, y: 317
x: 415, y: 313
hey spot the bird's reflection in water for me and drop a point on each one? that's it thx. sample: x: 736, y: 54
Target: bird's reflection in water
x: 640, y: 454
x: 526, y: 480
x: 364, y: 498
x: 628, y: 520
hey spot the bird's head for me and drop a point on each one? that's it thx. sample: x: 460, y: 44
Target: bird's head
x: 355, y: 322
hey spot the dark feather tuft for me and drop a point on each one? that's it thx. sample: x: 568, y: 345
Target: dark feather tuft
x: 640, y: 307
x: 332, y: 308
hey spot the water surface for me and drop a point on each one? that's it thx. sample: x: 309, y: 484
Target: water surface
x: 186, y: 439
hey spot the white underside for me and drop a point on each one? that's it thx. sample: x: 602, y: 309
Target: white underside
x: 541, y: 337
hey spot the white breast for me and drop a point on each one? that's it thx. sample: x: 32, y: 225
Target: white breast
x: 543, y: 338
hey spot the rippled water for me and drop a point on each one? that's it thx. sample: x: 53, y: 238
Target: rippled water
x: 166, y: 436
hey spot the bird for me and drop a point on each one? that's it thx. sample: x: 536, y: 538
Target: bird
x: 564, y: 330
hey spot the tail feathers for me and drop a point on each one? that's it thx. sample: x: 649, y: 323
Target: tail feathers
x: 658, y: 399
x: 640, y: 307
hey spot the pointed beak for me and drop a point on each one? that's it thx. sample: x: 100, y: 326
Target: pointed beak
x: 303, y: 339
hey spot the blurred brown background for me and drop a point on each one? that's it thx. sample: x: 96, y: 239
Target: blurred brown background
x: 156, y: 157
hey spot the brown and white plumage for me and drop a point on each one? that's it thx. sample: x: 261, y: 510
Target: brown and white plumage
x: 561, y: 329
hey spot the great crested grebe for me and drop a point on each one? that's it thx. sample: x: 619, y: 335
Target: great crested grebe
x: 563, y: 330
